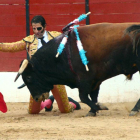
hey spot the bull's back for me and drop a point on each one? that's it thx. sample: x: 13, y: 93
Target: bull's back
x: 109, y: 51
x: 101, y: 39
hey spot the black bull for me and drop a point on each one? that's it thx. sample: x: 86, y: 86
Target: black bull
x: 110, y: 52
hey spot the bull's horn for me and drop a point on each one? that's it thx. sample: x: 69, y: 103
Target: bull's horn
x: 23, y: 85
x: 17, y: 77
x: 22, y: 68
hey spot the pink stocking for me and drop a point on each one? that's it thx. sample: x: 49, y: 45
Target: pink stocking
x: 73, y: 104
x: 46, y: 103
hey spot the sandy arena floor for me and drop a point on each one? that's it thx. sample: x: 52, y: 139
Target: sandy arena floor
x: 114, y: 124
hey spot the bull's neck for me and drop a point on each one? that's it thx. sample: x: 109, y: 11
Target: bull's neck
x: 46, y: 64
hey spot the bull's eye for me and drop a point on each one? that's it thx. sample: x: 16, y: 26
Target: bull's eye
x: 28, y: 78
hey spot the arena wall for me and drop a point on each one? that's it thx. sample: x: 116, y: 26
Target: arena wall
x: 116, y: 89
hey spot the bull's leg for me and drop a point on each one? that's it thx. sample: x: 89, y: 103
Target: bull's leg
x: 94, y: 97
x: 83, y: 94
x: 94, y: 108
x: 136, y: 109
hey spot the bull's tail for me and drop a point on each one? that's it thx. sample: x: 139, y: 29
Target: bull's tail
x: 134, y: 32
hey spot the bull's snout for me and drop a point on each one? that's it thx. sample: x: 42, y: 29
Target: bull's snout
x: 39, y: 98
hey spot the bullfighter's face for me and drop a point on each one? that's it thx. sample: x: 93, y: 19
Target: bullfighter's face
x: 38, y: 29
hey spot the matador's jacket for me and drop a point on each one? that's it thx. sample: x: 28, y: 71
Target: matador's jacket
x: 30, y: 43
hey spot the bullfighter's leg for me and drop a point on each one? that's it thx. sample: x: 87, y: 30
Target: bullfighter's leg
x: 34, y: 107
x: 49, y: 103
x: 136, y: 109
x: 65, y: 105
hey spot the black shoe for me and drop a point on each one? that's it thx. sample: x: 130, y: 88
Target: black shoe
x: 50, y: 109
x: 78, y: 107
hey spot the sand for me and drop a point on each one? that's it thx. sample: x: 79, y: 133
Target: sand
x: 114, y: 124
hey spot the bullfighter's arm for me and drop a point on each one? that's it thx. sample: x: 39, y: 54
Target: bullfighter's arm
x: 21, y: 45
x: 13, y: 47
x: 17, y: 46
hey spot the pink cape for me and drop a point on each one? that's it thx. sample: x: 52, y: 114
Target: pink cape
x: 3, y: 106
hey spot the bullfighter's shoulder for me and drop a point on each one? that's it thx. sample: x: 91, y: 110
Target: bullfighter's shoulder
x: 55, y: 33
x: 29, y: 38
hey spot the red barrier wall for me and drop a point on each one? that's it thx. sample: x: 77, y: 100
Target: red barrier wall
x: 114, y: 11
x: 12, y: 28
x: 57, y: 13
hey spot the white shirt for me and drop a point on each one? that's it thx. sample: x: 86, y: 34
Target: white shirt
x: 45, y: 35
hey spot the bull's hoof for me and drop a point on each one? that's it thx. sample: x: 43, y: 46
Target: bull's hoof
x: 102, y: 107
x: 91, y: 114
x: 133, y: 113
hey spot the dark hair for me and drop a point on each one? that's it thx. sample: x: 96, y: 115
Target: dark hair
x: 39, y: 19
